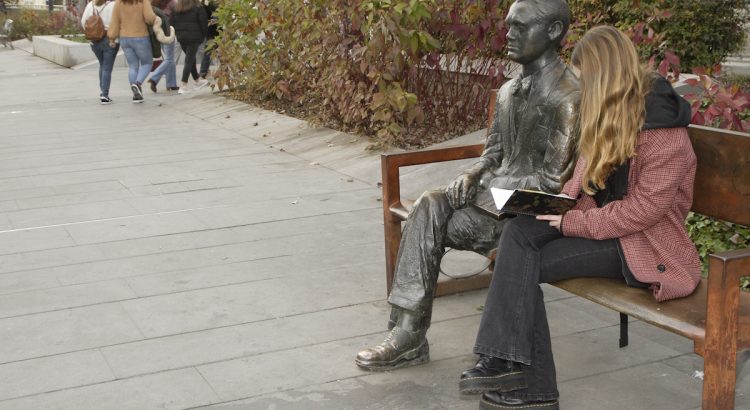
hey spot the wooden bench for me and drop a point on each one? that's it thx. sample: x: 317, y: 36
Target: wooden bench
x: 716, y: 316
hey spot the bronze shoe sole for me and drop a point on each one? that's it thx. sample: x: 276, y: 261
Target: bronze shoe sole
x: 413, y: 357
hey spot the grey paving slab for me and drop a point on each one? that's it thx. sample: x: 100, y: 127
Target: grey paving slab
x: 25, y: 240
x: 27, y: 281
x: 133, y: 226
x: 61, y: 215
x: 65, y: 331
x: 63, y: 297
x: 178, y: 389
x: 60, y: 254
x: 247, y: 302
x: 43, y: 375
x: 313, y: 364
x: 199, y: 257
x: 648, y: 386
x: 408, y: 389
x: 597, y: 351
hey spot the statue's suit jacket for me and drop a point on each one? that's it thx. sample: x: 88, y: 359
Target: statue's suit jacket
x: 533, y: 144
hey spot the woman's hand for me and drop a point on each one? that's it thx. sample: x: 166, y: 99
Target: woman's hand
x: 554, y: 220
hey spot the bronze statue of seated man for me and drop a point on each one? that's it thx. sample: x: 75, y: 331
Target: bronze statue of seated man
x: 531, y: 144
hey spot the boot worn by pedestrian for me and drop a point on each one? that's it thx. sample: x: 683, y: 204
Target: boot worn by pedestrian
x: 497, y: 400
x: 492, y: 374
x: 405, y: 345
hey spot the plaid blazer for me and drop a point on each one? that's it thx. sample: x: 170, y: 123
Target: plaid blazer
x: 650, y: 219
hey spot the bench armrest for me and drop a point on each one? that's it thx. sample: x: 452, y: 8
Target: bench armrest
x: 391, y: 164
x: 726, y: 330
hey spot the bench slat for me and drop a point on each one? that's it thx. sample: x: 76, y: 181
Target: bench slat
x: 685, y: 316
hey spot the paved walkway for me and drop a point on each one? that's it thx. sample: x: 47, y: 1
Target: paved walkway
x: 196, y: 252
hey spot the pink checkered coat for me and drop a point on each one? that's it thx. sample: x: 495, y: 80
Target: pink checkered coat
x: 649, y: 220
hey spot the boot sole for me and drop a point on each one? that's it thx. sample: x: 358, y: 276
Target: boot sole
x: 547, y: 405
x: 414, y: 357
x: 503, y: 383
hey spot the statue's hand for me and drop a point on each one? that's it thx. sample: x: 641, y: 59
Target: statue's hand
x: 461, y: 190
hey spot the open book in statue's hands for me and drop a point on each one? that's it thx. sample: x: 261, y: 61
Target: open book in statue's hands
x: 526, y: 202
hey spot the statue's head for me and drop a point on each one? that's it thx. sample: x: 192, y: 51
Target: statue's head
x: 536, y: 27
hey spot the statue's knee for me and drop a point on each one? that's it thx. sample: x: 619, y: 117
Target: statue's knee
x: 431, y: 200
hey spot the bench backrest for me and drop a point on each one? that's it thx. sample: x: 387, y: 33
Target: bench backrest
x: 722, y: 180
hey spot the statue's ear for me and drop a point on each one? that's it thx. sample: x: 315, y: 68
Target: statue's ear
x: 554, y: 30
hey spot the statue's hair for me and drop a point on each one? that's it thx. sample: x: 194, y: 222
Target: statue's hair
x: 614, y: 85
x: 549, y: 11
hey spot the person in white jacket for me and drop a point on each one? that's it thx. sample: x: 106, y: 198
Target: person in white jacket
x: 104, y: 52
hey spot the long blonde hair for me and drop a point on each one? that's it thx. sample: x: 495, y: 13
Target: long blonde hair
x: 614, y: 85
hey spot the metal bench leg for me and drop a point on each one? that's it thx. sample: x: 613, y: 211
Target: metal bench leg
x: 623, y: 330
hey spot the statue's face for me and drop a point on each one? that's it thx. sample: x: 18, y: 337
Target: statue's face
x: 528, y: 36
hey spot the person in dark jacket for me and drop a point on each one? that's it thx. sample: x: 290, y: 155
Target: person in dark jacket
x: 213, y: 31
x: 191, y: 26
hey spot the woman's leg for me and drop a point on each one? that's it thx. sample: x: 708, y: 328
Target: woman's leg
x: 131, y: 57
x: 108, y: 63
x: 99, y: 53
x: 145, y: 58
x: 190, y: 49
x: 205, y: 63
x: 514, y: 323
x: 169, y: 63
x: 161, y: 70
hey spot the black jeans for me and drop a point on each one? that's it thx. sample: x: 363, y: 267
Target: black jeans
x: 190, y: 50
x: 514, y: 322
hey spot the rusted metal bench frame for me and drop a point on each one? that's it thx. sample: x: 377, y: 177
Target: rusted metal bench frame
x: 716, y: 316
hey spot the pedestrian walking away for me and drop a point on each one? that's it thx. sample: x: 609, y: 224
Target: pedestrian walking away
x: 168, y: 68
x: 103, y: 50
x: 129, y: 26
x: 191, y: 25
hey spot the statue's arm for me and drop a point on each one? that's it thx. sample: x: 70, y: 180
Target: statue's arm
x: 464, y: 188
x: 560, y: 156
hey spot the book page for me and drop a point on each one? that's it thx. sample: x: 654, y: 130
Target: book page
x: 500, y: 196
x: 544, y: 193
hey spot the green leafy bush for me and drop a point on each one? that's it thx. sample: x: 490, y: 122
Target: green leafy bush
x: 384, y: 68
x: 30, y: 22
x: 701, y: 32
x: 714, y: 236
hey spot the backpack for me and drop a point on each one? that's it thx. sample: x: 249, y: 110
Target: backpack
x: 94, y: 29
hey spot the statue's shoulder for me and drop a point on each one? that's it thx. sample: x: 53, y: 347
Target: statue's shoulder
x: 568, y: 88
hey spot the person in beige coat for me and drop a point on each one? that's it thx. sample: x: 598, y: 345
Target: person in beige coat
x: 129, y: 24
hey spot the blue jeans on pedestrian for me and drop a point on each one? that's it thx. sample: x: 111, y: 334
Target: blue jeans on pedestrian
x: 168, y: 67
x: 514, y: 321
x: 205, y: 61
x: 106, y: 56
x: 139, y: 56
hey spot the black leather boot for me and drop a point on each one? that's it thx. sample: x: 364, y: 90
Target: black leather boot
x: 492, y: 374
x: 405, y: 345
x: 497, y: 400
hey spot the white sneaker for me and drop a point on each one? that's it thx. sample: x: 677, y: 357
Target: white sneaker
x: 201, y: 83
x: 183, y: 90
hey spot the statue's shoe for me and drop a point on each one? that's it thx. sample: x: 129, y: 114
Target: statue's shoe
x: 401, y: 348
